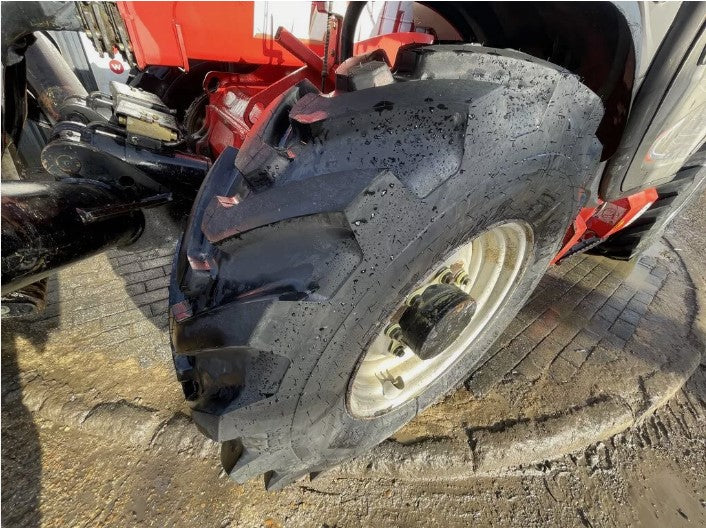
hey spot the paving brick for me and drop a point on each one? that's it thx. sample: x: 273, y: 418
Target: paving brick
x: 154, y: 284
x: 160, y: 308
x: 647, y: 261
x: 644, y: 297
x: 637, y: 306
x: 87, y: 330
x: 602, y: 355
x: 514, y: 329
x: 126, y: 318
x: 542, y: 326
x: 630, y: 316
x: 498, y: 366
x: 54, y: 297
x: 109, y: 286
x: 160, y: 321
x: 561, y: 370
x: 612, y: 341
x: 660, y: 271
x: 120, y: 260
x: 529, y: 369
x: 150, y: 297
x: 135, y: 289
x: 50, y: 312
x: 598, y: 326
x: 608, y: 312
x: 565, y: 331
x: 618, y: 303
x: 167, y: 250
x: 156, y: 262
x: 623, y: 329
x: 143, y: 276
x: 111, y: 338
x: 623, y: 292
x: 133, y: 267
x: 142, y: 328
x: 544, y: 353
x: 80, y: 317
x: 566, y: 266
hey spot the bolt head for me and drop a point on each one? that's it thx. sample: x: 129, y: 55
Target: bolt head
x: 396, y: 348
x: 393, y: 331
x: 462, y: 278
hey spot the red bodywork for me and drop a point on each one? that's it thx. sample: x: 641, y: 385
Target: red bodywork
x: 594, y: 224
x: 171, y: 33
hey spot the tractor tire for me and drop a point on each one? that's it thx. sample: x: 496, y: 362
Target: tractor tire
x: 303, y: 244
x: 673, y: 196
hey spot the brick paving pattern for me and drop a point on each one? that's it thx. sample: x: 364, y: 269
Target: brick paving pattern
x: 582, y: 309
x: 117, y: 304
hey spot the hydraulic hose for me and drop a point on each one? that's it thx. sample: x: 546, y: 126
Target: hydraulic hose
x: 350, y: 22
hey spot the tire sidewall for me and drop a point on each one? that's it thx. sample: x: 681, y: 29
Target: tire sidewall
x: 324, y: 430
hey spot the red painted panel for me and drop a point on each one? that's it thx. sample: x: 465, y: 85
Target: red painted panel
x: 595, y: 224
x: 170, y: 33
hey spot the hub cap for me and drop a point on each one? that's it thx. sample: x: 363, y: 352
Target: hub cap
x: 484, y: 270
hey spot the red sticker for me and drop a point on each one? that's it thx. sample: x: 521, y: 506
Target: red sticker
x: 116, y: 66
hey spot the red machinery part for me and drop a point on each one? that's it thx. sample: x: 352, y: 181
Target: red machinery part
x: 171, y: 33
x: 594, y: 224
x: 236, y: 100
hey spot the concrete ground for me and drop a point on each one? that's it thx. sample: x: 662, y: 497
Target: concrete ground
x: 591, y: 413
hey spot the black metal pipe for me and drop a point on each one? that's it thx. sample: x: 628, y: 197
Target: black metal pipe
x: 50, y: 77
x: 350, y: 22
x: 45, y: 227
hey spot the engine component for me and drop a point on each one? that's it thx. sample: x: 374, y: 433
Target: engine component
x: 143, y: 113
x: 128, y: 140
x: 46, y: 226
x: 136, y: 165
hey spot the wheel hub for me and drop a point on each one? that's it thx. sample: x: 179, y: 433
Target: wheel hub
x: 435, y: 319
x: 439, y: 319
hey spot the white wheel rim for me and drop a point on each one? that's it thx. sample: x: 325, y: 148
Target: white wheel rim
x: 493, y: 261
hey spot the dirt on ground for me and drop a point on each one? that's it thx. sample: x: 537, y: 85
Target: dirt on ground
x: 58, y: 474
x: 653, y: 476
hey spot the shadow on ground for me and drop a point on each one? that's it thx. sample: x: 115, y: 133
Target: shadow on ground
x: 21, y: 450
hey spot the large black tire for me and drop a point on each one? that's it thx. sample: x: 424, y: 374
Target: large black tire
x: 278, y: 288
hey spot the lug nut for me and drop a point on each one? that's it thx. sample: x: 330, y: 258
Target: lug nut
x: 393, y: 331
x: 462, y: 278
x: 396, y: 349
x: 445, y: 276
